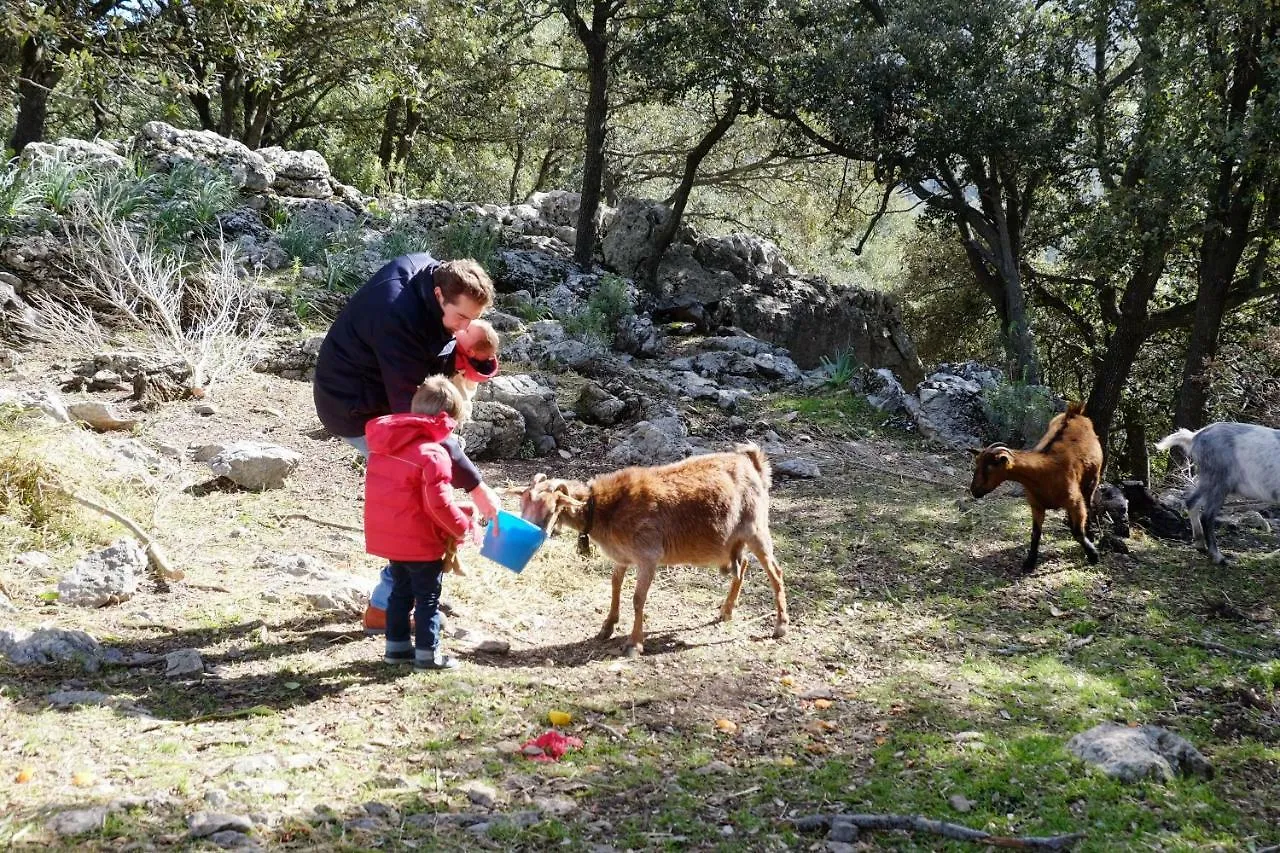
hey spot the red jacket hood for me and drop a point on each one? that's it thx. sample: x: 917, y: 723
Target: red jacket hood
x: 392, y: 433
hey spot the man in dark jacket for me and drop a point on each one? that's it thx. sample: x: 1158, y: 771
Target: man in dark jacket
x: 394, y: 332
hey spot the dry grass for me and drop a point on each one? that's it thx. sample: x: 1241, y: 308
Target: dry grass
x: 911, y: 625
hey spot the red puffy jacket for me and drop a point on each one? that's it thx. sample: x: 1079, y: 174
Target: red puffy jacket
x: 409, y: 513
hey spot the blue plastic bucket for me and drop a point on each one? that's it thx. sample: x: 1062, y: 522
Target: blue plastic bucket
x: 511, y: 541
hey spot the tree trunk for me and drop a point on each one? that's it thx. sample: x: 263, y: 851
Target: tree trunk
x: 693, y: 160
x: 259, y: 104
x: 544, y: 170
x: 202, y: 104
x: 36, y: 78
x: 404, y: 144
x: 514, y: 184
x: 1122, y: 348
x: 1136, y: 458
x: 595, y: 123
x: 391, y: 121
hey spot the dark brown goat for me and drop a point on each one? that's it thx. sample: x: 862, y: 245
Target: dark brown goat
x: 704, y: 511
x: 1061, y: 472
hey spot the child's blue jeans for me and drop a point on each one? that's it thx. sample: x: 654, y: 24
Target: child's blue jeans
x: 415, y: 586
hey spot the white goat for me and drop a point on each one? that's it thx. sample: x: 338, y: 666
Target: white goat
x: 1231, y: 459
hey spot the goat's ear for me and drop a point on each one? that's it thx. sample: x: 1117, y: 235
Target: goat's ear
x: 975, y: 452
x: 1004, y: 458
x: 538, y: 478
x: 562, y: 488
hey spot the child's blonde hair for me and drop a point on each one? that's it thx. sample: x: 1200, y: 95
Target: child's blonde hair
x: 435, y: 395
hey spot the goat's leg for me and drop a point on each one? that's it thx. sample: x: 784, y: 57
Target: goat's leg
x: 1078, y: 518
x: 1209, y: 507
x: 644, y: 577
x: 1037, y: 525
x: 610, y: 621
x: 763, y: 549
x: 737, y: 570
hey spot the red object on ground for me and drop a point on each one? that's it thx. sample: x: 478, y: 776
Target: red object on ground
x: 553, y: 745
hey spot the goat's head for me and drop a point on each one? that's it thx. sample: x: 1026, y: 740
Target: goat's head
x: 544, y: 500
x: 990, y: 468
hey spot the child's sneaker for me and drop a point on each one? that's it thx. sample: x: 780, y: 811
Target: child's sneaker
x: 430, y: 661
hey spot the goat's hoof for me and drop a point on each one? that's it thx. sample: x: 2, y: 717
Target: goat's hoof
x: 634, y: 650
x: 1092, y: 556
x: 605, y: 633
x: 780, y: 630
x: 726, y: 617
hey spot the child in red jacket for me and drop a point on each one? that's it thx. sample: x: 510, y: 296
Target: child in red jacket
x: 410, y: 516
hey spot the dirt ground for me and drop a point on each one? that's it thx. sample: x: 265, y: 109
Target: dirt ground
x: 922, y: 675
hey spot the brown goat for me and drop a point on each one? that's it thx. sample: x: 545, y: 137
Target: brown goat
x: 1061, y: 472
x: 704, y: 511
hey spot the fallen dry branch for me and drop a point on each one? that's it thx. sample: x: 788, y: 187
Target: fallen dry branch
x: 880, y: 469
x: 954, y: 831
x: 325, y: 522
x: 1228, y: 650
x: 155, y: 554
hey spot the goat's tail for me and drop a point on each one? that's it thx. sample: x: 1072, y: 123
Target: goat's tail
x: 758, y: 459
x: 1182, y: 438
x: 1074, y: 410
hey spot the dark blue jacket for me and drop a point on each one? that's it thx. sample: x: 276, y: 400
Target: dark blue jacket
x: 388, y: 338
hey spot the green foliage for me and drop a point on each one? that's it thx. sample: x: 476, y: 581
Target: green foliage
x: 1265, y: 675
x: 480, y: 242
x: 405, y: 238
x: 842, y: 368
x: 1020, y: 413
x: 301, y: 242
x: 607, y: 306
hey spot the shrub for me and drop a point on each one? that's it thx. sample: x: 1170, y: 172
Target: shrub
x: 475, y: 240
x: 301, y: 242
x: 843, y: 367
x: 1019, y: 413
x: 404, y: 239
x: 607, y: 306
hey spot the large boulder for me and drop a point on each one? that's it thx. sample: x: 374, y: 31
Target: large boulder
x: 495, y: 431
x: 103, y: 156
x: 304, y: 174
x: 165, y: 146
x: 320, y: 215
x: 536, y: 404
x: 813, y: 318
x: 651, y: 443
x: 630, y: 243
x: 531, y: 270
x: 951, y: 406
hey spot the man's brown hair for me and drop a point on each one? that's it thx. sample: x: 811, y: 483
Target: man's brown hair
x: 435, y: 395
x: 464, y: 278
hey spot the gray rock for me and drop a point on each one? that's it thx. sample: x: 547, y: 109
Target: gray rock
x: 1131, y: 754
x: 183, y: 663
x: 951, y: 410
x: 326, y: 590
x: 255, y: 466
x: 165, y: 146
x: 320, y: 216
x: 45, y: 401
x: 33, y: 559
x: 595, y: 405
x: 78, y: 821
x: 798, y: 468
x: 99, y: 156
x: 299, y: 173
x: 495, y: 431
x: 73, y: 698
x: 100, y: 416
x: 109, y: 576
x: 50, y: 645
x: 6, y: 606
x: 882, y: 390
x: 532, y: 271
x: 535, y: 403
x: 216, y: 798
x: 481, y: 793
x: 229, y: 839
x: 630, y: 241
x: 843, y: 830
x: 651, y: 443
x: 203, y: 824
x: 638, y: 336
